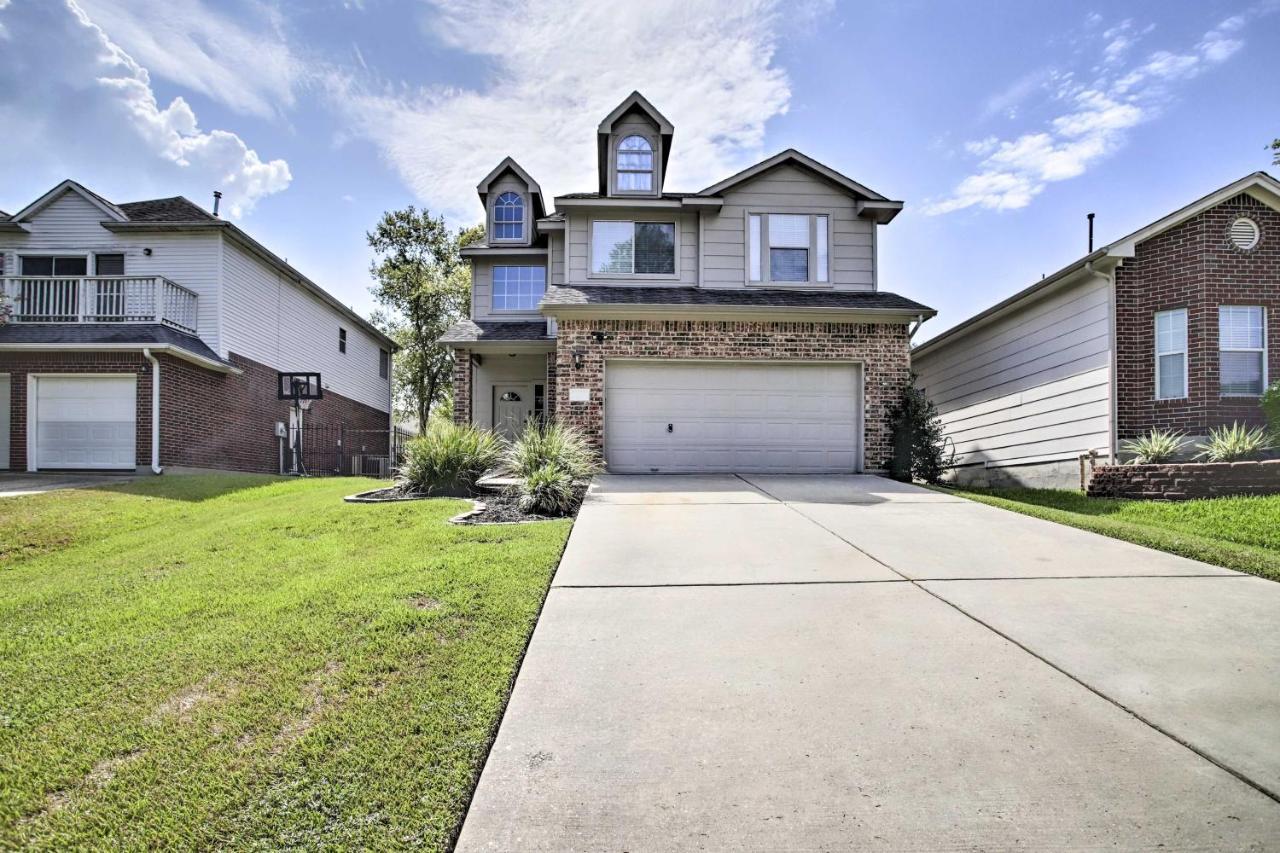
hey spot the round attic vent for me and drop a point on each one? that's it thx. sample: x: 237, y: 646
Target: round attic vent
x: 1244, y: 233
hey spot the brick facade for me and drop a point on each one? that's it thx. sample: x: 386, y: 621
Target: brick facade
x: 208, y: 419
x: 1186, y: 481
x: 1193, y: 266
x: 881, y: 347
x: 462, y: 376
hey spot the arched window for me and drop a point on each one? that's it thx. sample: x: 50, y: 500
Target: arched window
x: 635, y: 165
x: 508, y: 217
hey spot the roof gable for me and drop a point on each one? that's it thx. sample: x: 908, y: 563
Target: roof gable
x: 1259, y: 185
x: 509, y: 164
x: 110, y: 210
x: 635, y: 102
x: 794, y: 157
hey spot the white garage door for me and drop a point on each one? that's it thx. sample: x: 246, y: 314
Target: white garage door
x: 85, y: 422
x: 732, y: 416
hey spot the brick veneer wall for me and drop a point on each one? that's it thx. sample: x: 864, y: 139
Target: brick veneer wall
x: 207, y: 419
x: 1193, y: 266
x: 1185, y: 481
x: 462, y: 381
x: 882, y: 348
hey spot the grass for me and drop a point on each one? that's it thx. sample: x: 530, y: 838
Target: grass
x: 1241, y: 533
x: 191, y: 662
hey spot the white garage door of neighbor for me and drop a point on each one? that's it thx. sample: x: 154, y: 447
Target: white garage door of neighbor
x: 750, y: 417
x: 86, y: 422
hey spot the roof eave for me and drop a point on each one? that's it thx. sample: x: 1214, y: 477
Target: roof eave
x: 171, y: 349
x: 643, y: 310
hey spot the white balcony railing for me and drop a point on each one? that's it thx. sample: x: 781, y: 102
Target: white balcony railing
x: 101, y: 299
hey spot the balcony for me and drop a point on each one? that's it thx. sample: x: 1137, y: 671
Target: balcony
x: 101, y: 299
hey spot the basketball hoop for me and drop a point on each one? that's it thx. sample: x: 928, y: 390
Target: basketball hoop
x: 302, y: 389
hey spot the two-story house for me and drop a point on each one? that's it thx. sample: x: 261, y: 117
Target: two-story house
x: 151, y: 335
x: 1165, y: 328
x: 737, y: 328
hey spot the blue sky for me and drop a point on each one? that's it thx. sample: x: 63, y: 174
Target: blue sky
x: 1000, y: 124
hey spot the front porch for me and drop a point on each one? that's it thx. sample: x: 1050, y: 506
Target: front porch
x: 503, y: 374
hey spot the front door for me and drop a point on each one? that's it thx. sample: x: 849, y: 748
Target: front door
x: 512, y: 407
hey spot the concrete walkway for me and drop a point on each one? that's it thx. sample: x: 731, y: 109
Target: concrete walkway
x: 14, y: 484
x: 835, y: 663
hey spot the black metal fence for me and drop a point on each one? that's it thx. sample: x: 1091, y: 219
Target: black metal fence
x: 325, y: 451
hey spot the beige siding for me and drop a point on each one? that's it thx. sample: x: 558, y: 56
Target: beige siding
x: 577, y: 235
x: 482, y: 287
x: 72, y: 225
x: 1033, y: 386
x: 555, y: 245
x: 788, y: 189
x: 274, y: 320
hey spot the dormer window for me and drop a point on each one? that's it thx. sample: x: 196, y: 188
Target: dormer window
x: 508, y: 217
x: 635, y: 165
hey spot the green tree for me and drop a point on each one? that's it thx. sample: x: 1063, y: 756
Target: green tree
x: 1275, y: 146
x: 424, y: 287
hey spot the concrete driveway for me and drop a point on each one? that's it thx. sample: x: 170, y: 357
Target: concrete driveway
x: 15, y: 484
x: 835, y: 663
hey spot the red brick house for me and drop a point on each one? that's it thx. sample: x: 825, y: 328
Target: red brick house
x: 149, y: 336
x: 740, y: 327
x: 1169, y: 327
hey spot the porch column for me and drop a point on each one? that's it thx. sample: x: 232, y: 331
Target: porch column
x: 462, y: 372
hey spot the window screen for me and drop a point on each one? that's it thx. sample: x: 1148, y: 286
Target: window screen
x: 108, y: 264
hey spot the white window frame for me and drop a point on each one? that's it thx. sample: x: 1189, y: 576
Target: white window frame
x: 524, y: 218
x: 820, y: 276
x: 1260, y: 350
x: 591, y: 243
x: 493, y: 288
x: 618, y: 171
x: 1186, y: 379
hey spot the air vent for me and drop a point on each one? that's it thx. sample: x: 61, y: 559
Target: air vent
x: 1244, y: 233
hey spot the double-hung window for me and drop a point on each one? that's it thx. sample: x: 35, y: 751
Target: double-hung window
x: 633, y: 248
x: 1171, y: 354
x: 1242, y: 350
x: 508, y: 217
x: 518, y: 288
x: 788, y: 248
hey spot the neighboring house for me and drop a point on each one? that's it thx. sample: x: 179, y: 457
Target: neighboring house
x: 1168, y: 328
x: 108, y: 296
x: 738, y: 328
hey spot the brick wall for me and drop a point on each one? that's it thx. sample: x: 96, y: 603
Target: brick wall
x: 1193, y: 266
x: 882, y: 347
x: 462, y: 373
x: 208, y: 419
x: 1185, y: 481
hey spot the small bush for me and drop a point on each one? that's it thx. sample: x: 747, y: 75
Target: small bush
x: 554, y: 445
x: 449, y: 458
x: 1155, y: 447
x: 1270, y: 402
x: 919, y: 448
x: 1233, y: 443
x: 547, y: 491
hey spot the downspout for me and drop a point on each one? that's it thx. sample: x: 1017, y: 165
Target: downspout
x: 155, y: 411
x: 915, y: 327
x: 1113, y: 443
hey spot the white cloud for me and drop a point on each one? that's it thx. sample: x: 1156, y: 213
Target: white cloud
x: 557, y: 68
x: 1099, y: 115
x: 70, y: 95
x: 244, y: 63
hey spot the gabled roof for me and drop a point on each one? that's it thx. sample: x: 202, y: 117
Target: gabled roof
x: 509, y: 164
x: 175, y: 209
x: 874, y: 205
x: 108, y: 209
x: 1258, y: 185
x: 638, y: 103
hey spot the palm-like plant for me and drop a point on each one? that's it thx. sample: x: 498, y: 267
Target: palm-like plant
x: 1233, y: 443
x: 1155, y: 447
x: 449, y: 458
x: 555, y: 445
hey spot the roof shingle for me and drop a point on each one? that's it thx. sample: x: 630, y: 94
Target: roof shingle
x: 469, y: 331
x: 141, y: 334
x: 738, y: 297
x: 175, y: 209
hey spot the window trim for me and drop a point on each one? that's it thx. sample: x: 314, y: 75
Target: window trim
x: 88, y: 258
x: 763, y: 249
x: 652, y: 171
x: 524, y: 218
x: 384, y: 363
x: 1155, y: 347
x: 493, y: 288
x: 673, y: 221
x: 1262, y: 351
x: 342, y: 340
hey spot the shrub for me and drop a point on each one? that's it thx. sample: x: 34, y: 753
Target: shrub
x: 1270, y: 402
x: 1155, y: 447
x: 547, y: 491
x: 449, y: 458
x: 1233, y: 443
x: 554, y: 445
x: 919, y: 447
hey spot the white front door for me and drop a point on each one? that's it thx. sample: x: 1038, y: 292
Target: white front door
x: 85, y: 422
x: 512, y: 407
x: 752, y: 417
x: 4, y: 421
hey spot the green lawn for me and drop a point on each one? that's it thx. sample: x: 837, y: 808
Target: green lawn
x: 1239, y: 533
x: 251, y: 663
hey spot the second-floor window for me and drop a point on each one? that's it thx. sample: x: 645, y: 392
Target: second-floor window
x: 1171, y: 354
x: 342, y: 339
x: 73, y: 266
x: 1242, y: 350
x: 108, y: 264
x: 384, y: 363
x: 635, y: 165
x: 622, y: 247
x: 518, y: 288
x: 789, y: 248
x: 508, y: 217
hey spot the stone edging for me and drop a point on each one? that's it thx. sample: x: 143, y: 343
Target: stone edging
x: 477, y: 507
x: 1178, y: 481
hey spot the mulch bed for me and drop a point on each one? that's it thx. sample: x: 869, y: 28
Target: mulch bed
x: 494, y: 505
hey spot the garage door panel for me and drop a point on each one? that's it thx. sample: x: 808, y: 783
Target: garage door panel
x: 748, y: 417
x: 85, y: 422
